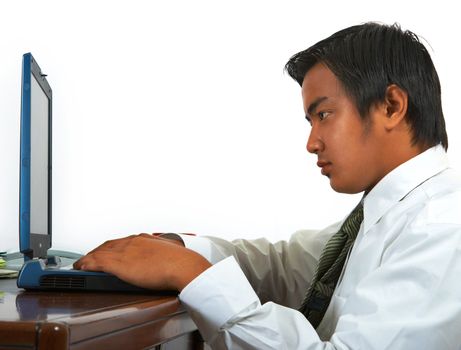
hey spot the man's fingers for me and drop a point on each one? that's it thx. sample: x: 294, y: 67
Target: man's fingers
x: 101, y: 260
x: 113, y: 250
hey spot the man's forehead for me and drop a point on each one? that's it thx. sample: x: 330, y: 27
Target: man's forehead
x: 320, y: 81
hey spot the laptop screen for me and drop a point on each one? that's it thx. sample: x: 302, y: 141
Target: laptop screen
x: 35, y: 161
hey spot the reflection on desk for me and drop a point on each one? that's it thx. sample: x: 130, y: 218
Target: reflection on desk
x: 89, y: 320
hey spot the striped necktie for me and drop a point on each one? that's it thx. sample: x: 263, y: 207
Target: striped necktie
x: 329, y: 269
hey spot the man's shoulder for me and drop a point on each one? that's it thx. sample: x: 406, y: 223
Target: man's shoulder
x: 442, y: 202
x: 445, y: 184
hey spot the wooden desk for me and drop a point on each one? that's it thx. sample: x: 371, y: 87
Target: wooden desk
x: 74, y: 320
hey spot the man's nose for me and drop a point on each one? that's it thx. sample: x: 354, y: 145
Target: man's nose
x: 314, y: 142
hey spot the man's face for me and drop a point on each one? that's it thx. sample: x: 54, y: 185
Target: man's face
x: 349, y: 149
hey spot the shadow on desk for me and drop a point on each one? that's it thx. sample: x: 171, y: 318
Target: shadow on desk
x: 75, y: 320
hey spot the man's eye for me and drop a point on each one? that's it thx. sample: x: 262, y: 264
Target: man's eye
x: 322, y: 115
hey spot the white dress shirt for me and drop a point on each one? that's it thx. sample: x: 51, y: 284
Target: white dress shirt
x: 398, y: 290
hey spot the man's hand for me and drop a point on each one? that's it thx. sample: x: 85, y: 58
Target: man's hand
x: 146, y: 261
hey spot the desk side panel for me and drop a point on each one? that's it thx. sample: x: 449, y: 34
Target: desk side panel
x: 147, y: 335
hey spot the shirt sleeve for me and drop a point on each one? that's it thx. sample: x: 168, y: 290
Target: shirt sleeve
x: 279, y: 272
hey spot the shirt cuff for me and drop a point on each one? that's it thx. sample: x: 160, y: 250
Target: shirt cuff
x: 217, y: 295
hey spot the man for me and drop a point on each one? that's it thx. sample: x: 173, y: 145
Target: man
x: 388, y: 274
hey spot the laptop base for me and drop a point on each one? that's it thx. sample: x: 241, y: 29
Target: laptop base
x: 47, y: 274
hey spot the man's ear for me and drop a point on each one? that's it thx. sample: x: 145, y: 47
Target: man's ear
x: 395, y: 106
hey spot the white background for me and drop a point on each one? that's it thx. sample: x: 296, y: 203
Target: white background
x: 177, y: 116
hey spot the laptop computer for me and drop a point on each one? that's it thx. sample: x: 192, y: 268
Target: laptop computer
x: 40, y: 270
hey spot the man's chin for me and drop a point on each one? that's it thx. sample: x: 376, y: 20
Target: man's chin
x: 343, y: 188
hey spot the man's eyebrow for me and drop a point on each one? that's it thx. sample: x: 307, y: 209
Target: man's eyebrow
x: 314, y: 105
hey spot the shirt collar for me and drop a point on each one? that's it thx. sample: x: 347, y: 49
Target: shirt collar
x: 399, y: 182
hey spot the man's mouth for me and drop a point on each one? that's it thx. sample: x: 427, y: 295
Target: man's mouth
x: 325, y: 167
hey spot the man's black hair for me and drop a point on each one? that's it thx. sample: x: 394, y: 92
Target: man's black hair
x: 367, y: 58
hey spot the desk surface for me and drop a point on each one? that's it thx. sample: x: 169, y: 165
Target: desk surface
x: 91, y: 320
